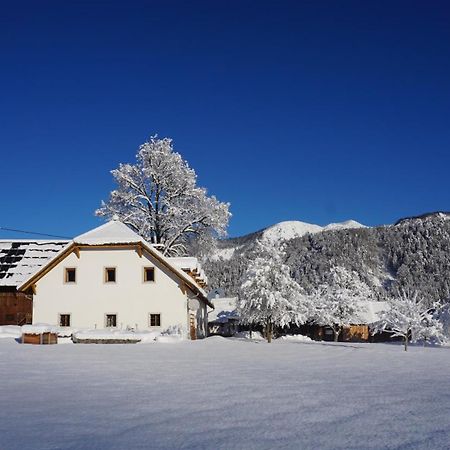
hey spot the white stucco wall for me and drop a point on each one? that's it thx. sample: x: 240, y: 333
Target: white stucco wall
x: 90, y: 298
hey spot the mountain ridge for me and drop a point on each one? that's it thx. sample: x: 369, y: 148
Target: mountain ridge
x: 412, y: 254
x: 289, y: 229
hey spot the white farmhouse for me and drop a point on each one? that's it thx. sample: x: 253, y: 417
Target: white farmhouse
x: 111, y: 277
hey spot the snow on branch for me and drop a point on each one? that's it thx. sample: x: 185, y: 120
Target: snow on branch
x: 159, y: 198
x: 410, y: 317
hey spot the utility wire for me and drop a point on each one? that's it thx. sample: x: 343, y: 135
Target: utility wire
x: 35, y: 233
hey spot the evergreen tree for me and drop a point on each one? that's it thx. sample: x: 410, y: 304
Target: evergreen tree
x: 268, y: 295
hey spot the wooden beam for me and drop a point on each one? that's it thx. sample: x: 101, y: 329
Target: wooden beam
x: 33, y: 289
x: 76, y: 250
x: 139, y: 251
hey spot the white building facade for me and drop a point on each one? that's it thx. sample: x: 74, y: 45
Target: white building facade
x: 111, y: 277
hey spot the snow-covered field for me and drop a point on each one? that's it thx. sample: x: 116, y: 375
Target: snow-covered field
x: 224, y: 394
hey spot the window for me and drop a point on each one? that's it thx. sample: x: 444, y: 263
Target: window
x: 149, y: 274
x: 70, y: 275
x: 155, y: 320
x: 64, y: 320
x: 110, y: 275
x: 111, y: 320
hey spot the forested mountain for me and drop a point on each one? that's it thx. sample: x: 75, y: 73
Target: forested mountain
x: 413, y: 254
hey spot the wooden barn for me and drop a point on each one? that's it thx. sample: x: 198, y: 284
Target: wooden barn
x: 19, y: 259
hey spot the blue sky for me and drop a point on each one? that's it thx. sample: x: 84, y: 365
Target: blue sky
x: 314, y: 111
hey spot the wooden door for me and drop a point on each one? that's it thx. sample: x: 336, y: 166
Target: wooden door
x: 192, y: 327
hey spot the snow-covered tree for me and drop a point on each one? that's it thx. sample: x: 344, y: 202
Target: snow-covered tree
x: 159, y: 198
x: 410, y: 316
x: 443, y: 314
x: 268, y: 295
x: 338, y: 303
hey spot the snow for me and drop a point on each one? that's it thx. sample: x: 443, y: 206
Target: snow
x: 10, y: 331
x: 181, y: 208
x: 290, y: 230
x: 112, y: 232
x: 39, y: 329
x: 348, y: 224
x: 113, y: 334
x: 255, y: 335
x: 223, y: 253
x: 269, y: 296
x: 168, y: 339
x: 190, y: 264
x: 224, y: 394
x: 370, y: 312
x: 293, y: 229
x: 224, y: 309
x: 296, y: 338
x: 19, y: 259
x: 144, y: 336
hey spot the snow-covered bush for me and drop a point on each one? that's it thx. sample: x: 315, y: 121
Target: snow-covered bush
x: 159, y: 198
x: 410, y: 317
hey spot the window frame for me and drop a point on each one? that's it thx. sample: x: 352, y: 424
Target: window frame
x: 150, y: 314
x: 65, y: 275
x: 70, y: 320
x: 111, y: 314
x: 105, y: 275
x: 144, y: 274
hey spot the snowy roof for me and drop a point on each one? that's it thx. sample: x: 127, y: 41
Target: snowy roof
x: 115, y: 232
x: 224, y: 310
x: 112, y: 232
x: 17, y: 268
x: 191, y: 265
x: 370, y: 312
x: 20, y: 259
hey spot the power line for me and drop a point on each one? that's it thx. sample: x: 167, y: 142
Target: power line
x: 35, y: 233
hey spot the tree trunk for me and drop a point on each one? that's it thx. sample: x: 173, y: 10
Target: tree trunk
x: 251, y: 331
x: 406, y: 343
x: 269, y: 332
x: 336, y: 334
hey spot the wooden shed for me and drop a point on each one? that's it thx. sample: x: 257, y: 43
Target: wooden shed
x: 16, y: 308
x: 18, y: 260
x: 355, y: 333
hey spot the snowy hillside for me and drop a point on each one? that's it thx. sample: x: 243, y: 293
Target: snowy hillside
x: 347, y: 225
x: 290, y: 230
x: 293, y: 229
x: 384, y: 257
x: 282, y: 231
